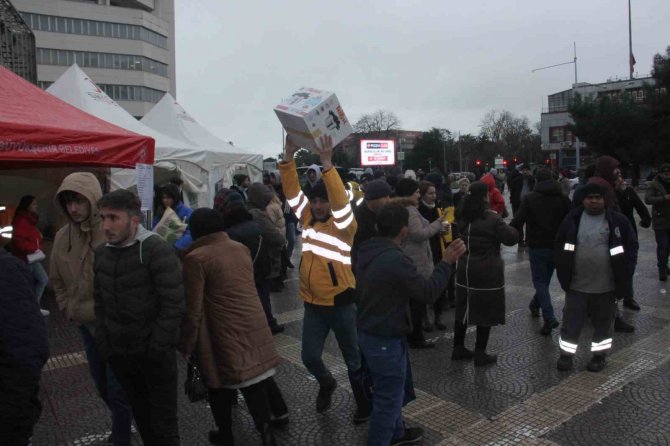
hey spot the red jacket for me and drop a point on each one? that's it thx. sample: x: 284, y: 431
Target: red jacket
x: 496, y: 200
x: 26, y: 238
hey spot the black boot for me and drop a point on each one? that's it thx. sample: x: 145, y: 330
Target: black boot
x: 622, y: 326
x: 324, y: 398
x: 363, y: 404
x: 481, y: 357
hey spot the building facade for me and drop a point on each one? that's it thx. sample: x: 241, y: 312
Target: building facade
x: 555, y: 120
x: 126, y: 46
x: 17, y: 43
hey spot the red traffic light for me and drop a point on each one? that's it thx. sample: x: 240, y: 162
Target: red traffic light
x: 479, y: 163
x: 547, y: 161
x: 504, y: 162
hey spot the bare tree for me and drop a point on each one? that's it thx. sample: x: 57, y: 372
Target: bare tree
x: 512, y: 136
x: 380, y: 122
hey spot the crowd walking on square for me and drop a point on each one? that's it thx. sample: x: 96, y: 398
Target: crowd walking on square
x: 383, y: 262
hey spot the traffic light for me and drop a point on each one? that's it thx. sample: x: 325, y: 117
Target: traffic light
x: 504, y: 162
x: 547, y: 161
x: 478, y: 162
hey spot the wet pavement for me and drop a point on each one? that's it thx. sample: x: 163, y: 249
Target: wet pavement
x: 521, y: 400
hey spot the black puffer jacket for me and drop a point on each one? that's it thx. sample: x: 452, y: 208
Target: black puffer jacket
x: 139, y: 297
x: 660, y: 207
x: 621, y: 236
x: 542, y: 211
x: 23, y: 333
x: 480, y: 274
x: 367, y: 229
x: 249, y: 234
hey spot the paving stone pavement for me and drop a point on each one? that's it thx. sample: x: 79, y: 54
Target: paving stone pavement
x: 521, y: 400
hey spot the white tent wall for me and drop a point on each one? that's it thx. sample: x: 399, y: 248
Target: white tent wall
x: 77, y: 89
x: 223, y: 159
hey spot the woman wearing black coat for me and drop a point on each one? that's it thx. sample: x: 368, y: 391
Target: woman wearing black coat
x: 480, y: 274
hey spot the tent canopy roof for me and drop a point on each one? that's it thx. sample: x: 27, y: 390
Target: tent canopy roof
x: 76, y: 88
x: 37, y: 128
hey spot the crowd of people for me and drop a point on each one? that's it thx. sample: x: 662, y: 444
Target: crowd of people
x: 384, y: 258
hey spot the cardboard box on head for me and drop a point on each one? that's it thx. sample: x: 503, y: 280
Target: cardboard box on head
x: 309, y: 114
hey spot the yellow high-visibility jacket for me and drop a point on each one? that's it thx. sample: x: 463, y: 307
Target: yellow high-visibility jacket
x: 326, y: 278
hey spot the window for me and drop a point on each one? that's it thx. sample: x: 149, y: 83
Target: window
x: 556, y: 134
x: 46, y: 56
x: 40, y: 22
x: 132, y: 93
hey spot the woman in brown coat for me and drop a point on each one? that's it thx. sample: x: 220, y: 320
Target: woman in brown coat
x: 226, y: 331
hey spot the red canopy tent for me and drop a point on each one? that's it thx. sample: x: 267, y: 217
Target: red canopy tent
x: 39, y: 130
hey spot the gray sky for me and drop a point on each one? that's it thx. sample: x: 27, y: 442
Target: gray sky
x: 434, y: 63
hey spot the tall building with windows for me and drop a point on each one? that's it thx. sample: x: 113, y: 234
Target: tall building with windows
x: 17, y: 43
x: 127, y: 47
x: 555, y: 120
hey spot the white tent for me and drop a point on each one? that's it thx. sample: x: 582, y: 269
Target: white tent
x: 224, y: 159
x: 172, y: 156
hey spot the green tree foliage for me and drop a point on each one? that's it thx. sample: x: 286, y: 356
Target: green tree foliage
x: 304, y: 157
x: 634, y: 132
x: 615, y: 126
x: 430, y: 150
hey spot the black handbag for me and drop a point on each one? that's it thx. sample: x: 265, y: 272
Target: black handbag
x: 194, y: 387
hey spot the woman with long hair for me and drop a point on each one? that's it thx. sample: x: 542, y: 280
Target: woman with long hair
x: 480, y: 274
x: 431, y: 210
x: 27, y: 240
x: 417, y: 247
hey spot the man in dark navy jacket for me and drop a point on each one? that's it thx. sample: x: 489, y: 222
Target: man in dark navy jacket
x: 386, y: 280
x: 23, y: 351
x: 595, y: 249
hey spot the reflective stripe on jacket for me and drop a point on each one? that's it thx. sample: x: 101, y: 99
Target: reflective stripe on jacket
x: 326, y: 278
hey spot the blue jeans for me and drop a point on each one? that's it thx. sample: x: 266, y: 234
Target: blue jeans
x: 386, y: 358
x: 110, y: 390
x: 41, y: 279
x: 542, y: 268
x: 316, y: 324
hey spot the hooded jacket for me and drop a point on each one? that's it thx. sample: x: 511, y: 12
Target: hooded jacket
x: 386, y: 281
x: 604, y: 177
x: 71, y: 267
x: 496, y: 200
x: 326, y: 278
x: 225, y: 324
x: 542, y: 211
x: 258, y: 199
x: 26, y: 238
x: 623, y: 249
x: 309, y: 184
x: 139, y: 297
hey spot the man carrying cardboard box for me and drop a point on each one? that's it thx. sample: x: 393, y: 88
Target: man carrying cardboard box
x: 326, y: 280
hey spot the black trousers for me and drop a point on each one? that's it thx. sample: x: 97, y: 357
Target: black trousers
x: 417, y: 312
x: 151, y: 387
x: 264, y: 401
x: 20, y: 406
x: 602, y: 308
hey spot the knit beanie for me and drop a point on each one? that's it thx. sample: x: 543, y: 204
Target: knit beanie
x: 205, y: 221
x: 319, y: 191
x: 377, y: 189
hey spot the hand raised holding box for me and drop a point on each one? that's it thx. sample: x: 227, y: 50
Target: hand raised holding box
x: 290, y: 148
x: 326, y: 151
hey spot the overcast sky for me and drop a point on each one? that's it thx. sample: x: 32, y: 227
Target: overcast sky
x: 434, y: 63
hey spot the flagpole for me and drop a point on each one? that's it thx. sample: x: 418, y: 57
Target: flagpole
x: 630, y: 43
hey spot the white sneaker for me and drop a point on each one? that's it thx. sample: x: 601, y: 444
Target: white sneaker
x: 44, y: 312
